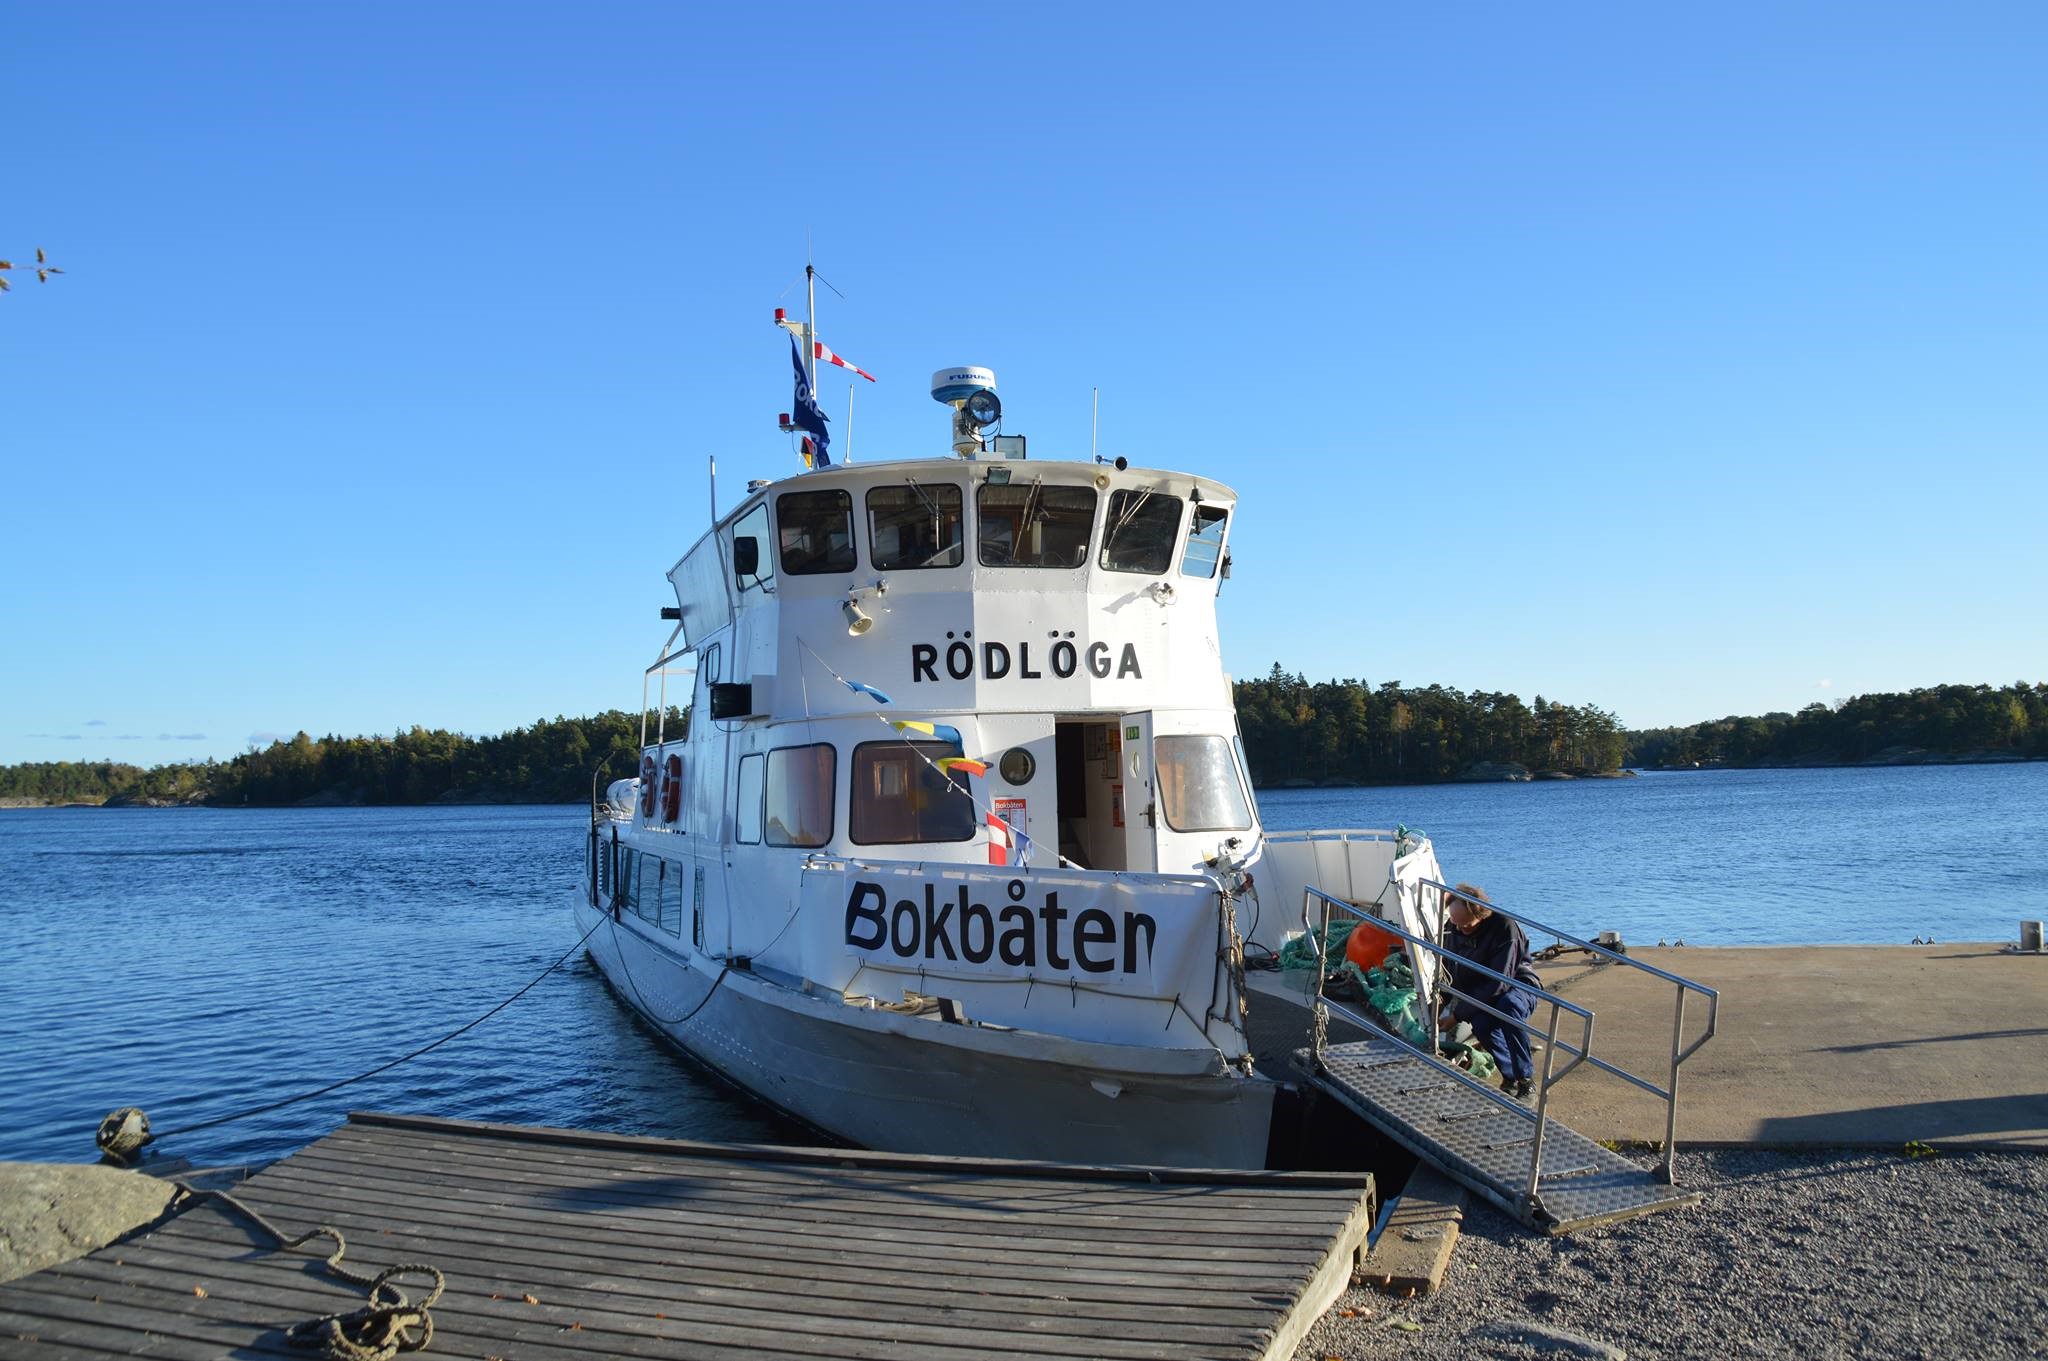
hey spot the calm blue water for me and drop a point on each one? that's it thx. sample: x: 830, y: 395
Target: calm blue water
x: 198, y: 962
x: 1735, y: 857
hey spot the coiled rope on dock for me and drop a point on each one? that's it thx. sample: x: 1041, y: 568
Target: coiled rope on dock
x: 387, y: 1323
x: 125, y: 1132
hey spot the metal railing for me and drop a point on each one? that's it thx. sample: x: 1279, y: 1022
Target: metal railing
x: 1559, y: 1007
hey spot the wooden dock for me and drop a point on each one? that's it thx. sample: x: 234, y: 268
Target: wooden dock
x: 561, y: 1244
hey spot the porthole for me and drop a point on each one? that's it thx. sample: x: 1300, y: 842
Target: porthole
x: 1017, y: 766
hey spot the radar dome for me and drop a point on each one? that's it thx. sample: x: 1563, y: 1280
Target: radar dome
x: 958, y: 384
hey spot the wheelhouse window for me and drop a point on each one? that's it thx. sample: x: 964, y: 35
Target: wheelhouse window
x: 1199, y: 786
x: 915, y: 525
x: 899, y: 798
x: 1205, y: 542
x: 754, y: 525
x: 799, y: 795
x: 1034, y: 525
x: 816, y: 532
x: 1138, y: 535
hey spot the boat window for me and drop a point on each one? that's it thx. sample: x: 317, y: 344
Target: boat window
x: 747, y: 803
x: 817, y: 532
x: 672, y: 898
x: 647, y: 902
x: 1139, y: 532
x: 799, y: 795
x: 900, y: 797
x: 1199, y: 790
x: 1034, y: 525
x: 754, y: 525
x: 1205, y: 542
x: 915, y: 525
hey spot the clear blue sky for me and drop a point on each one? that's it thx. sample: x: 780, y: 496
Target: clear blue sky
x: 1686, y: 364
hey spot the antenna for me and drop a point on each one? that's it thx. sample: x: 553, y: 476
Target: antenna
x: 1095, y: 424
x: 848, y: 454
x: 713, y: 460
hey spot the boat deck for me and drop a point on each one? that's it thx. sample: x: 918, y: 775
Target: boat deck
x: 564, y: 1244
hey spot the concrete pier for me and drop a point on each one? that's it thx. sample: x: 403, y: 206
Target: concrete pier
x: 1825, y: 1046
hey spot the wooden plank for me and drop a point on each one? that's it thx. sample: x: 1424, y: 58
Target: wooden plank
x: 587, y: 1320
x: 1125, y: 1201
x: 1414, y: 1249
x: 518, y: 1258
x: 769, y: 1154
x: 683, y: 1293
x: 592, y: 1297
x: 847, y: 1207
x: 400, y: 1202
x: 1329, y: 1280
x: 800, y: 1254
x: 122, y: 1329
x: 355, y: 1141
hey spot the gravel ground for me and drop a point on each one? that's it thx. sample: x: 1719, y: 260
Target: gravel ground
x: 1837, y: 1254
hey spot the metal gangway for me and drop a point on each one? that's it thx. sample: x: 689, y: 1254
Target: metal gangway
x: 1517, y: 1156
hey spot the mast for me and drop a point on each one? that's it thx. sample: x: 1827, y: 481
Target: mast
x: 811, y: 327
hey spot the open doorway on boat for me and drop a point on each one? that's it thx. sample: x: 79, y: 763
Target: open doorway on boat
x: 1090, y: 801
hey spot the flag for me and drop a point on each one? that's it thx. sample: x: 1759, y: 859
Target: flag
x: 943, y: 732
x: 966, y: 763
x: 807, y: 416
x: 1008, y: 844
x: 859, y: 689
x: 824, y: 352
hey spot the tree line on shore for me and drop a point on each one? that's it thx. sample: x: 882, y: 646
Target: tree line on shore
x: 1351, y: 732
x: 552, y: 761
x: 1294, y: 730
x: 1942, y: 721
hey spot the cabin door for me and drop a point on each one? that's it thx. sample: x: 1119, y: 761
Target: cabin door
x: 1135, y: 791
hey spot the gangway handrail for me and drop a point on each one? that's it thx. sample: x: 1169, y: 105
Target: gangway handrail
x: 1581, y: 1053
x: 1680, y: 1051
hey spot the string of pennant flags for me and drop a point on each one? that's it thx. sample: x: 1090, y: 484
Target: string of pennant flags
x: 43, y: 268
x: 1020, y: 843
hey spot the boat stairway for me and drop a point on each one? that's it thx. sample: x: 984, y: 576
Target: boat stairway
x: 1484, y: 1139
x: 1514, y: 1153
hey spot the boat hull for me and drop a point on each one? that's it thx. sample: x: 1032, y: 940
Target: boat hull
x: 916, y: 1085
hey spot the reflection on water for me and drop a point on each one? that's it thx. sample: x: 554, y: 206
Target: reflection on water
x: 197, y: 962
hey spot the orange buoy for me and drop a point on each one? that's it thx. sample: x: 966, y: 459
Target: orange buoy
x: 1368, y: 945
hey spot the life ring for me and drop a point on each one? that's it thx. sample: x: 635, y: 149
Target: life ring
x: 647, y: 786
x: 672, y: 789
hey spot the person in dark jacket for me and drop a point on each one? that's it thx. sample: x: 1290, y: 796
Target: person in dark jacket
x: 1481, y: 936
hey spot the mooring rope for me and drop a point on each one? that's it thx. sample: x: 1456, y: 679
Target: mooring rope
x: 125, y: 1132
x: 387, y: 1323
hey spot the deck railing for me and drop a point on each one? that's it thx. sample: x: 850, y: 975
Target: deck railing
x: 1581, y: 1052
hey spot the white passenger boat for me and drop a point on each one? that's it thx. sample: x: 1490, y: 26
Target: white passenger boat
x: 958, y: 852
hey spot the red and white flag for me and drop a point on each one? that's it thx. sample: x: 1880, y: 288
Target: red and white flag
x: 824, y: 352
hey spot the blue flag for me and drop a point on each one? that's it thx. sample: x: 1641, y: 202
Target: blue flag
x: 807, y: 415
